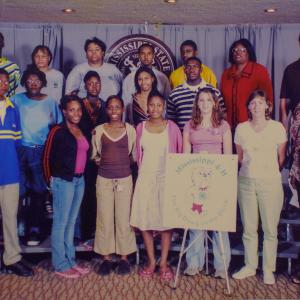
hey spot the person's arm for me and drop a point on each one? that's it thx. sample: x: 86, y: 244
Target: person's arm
x: 283, y: 112
x: 187, y: 147
x: 171, y: 109
x: 239, y: 152
x: 73, y: 81
x: 227, y: 142
x: 281, y: 150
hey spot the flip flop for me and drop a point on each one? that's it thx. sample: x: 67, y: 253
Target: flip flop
x: 146, y: 272
x: 166, y: 274
x: 296, y: 278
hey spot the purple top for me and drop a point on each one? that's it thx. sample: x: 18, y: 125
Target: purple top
x: 82, y: 148
x: 115, y: 161
x: 207, y: 139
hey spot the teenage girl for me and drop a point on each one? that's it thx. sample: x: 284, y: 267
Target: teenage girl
x: 206, y: 132
x: 155, y: 138
x: 113, y: 143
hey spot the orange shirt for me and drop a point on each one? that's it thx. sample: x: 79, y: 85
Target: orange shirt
x: 236, y: 90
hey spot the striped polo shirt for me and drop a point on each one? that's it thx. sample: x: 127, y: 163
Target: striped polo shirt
x: 181, y: 100
x: 13, y: 71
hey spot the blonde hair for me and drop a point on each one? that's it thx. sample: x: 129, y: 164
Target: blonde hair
x: 216, y: 116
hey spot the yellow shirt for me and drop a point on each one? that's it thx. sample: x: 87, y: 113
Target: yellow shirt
x: 178, y: 77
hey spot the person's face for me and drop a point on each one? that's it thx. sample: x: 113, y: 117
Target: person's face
x: 145, y: 81
x: 155, y: 107
x: 33, y: 85
x: 257, y: 107
x: 73, y: 112
x: 205, y: 103
x: 4, y: 85
x: 192, y: 70
x: 94, y: 53
x: 115, y: 110
x: 187, y: 52
x: 42, y: 59
x: 93, y: 86
x: 146, y: 56
x: 240, y: 54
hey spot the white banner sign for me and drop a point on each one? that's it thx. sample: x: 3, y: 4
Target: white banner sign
x: 201, y: 192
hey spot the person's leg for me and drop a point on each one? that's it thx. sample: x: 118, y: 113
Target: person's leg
x: 39, y: 190
x: 166, y: 237
x: 125, y: 236
x: 105, y: 228
x: 9, y: 199
x: 249, y: 215
x: 78, y: 184
x: 63, y: 194
x: 195, y: 256
x: 218, y: 260
x: 270, y: 197
x: 149, y: 245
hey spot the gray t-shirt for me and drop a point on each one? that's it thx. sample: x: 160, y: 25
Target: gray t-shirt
x: 111, y: 79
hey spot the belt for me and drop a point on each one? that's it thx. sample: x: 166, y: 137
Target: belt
x: 78, y: 175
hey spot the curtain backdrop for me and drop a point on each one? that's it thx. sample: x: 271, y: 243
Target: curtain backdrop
x: 276, y: 45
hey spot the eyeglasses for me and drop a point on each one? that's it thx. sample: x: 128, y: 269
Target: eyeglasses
x: 4, y: 82
x: 33, y: 81
x: 235, y: 50
x: 93, y: 83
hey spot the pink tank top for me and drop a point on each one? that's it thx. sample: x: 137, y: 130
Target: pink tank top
x: 82, y: 148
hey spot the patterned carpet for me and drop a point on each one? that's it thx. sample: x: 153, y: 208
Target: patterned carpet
x: 46, y: 285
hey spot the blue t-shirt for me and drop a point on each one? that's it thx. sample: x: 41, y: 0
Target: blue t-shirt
x: 36, y: 118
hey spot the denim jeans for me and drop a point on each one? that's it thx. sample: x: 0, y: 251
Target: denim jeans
x: 195, y: 255
x: 67, y: 197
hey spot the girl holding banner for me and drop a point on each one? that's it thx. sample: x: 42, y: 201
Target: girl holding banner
x: 260, y: 144
x: 155, y: 138
x: 207, y: 132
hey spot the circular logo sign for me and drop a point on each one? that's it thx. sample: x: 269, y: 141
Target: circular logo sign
x: 124, y: 54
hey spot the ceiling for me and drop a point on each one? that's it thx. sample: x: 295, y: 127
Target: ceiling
x: 151, y: 11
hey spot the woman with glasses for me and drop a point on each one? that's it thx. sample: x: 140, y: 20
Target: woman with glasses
x: 38, y: 112
x: 240, y: 79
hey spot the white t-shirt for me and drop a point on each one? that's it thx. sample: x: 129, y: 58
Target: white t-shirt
x: 260, y: 158
x: 55, y: 83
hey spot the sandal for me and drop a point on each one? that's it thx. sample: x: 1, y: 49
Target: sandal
x: 166, y: 274
x: 296, y: 278
x: 147, y: 272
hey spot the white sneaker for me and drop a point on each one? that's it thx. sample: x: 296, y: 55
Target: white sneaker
x: 192, y: 271
x: 244, y: 272
x: 269, y: 277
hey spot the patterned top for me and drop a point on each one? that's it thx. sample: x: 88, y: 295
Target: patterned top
x: 137, y: 111
x: 13, y: 71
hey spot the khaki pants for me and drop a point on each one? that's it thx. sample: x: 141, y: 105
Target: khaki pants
x: 9, y: 201
x: 262, y: 197
x: 113, y: 231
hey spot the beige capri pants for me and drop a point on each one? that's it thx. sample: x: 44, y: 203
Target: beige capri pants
x: 113, y: 231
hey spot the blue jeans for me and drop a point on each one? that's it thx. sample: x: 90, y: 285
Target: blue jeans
x: 195, y: 255
x: 67, y: 197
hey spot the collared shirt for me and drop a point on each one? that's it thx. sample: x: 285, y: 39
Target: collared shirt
x: 178, y: 76
x: 181, y: 100
x: 13, y: 71
x: 237, y: 89
x: 10, y: 137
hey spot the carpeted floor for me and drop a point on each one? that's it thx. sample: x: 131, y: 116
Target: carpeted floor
x: 46, y: 285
